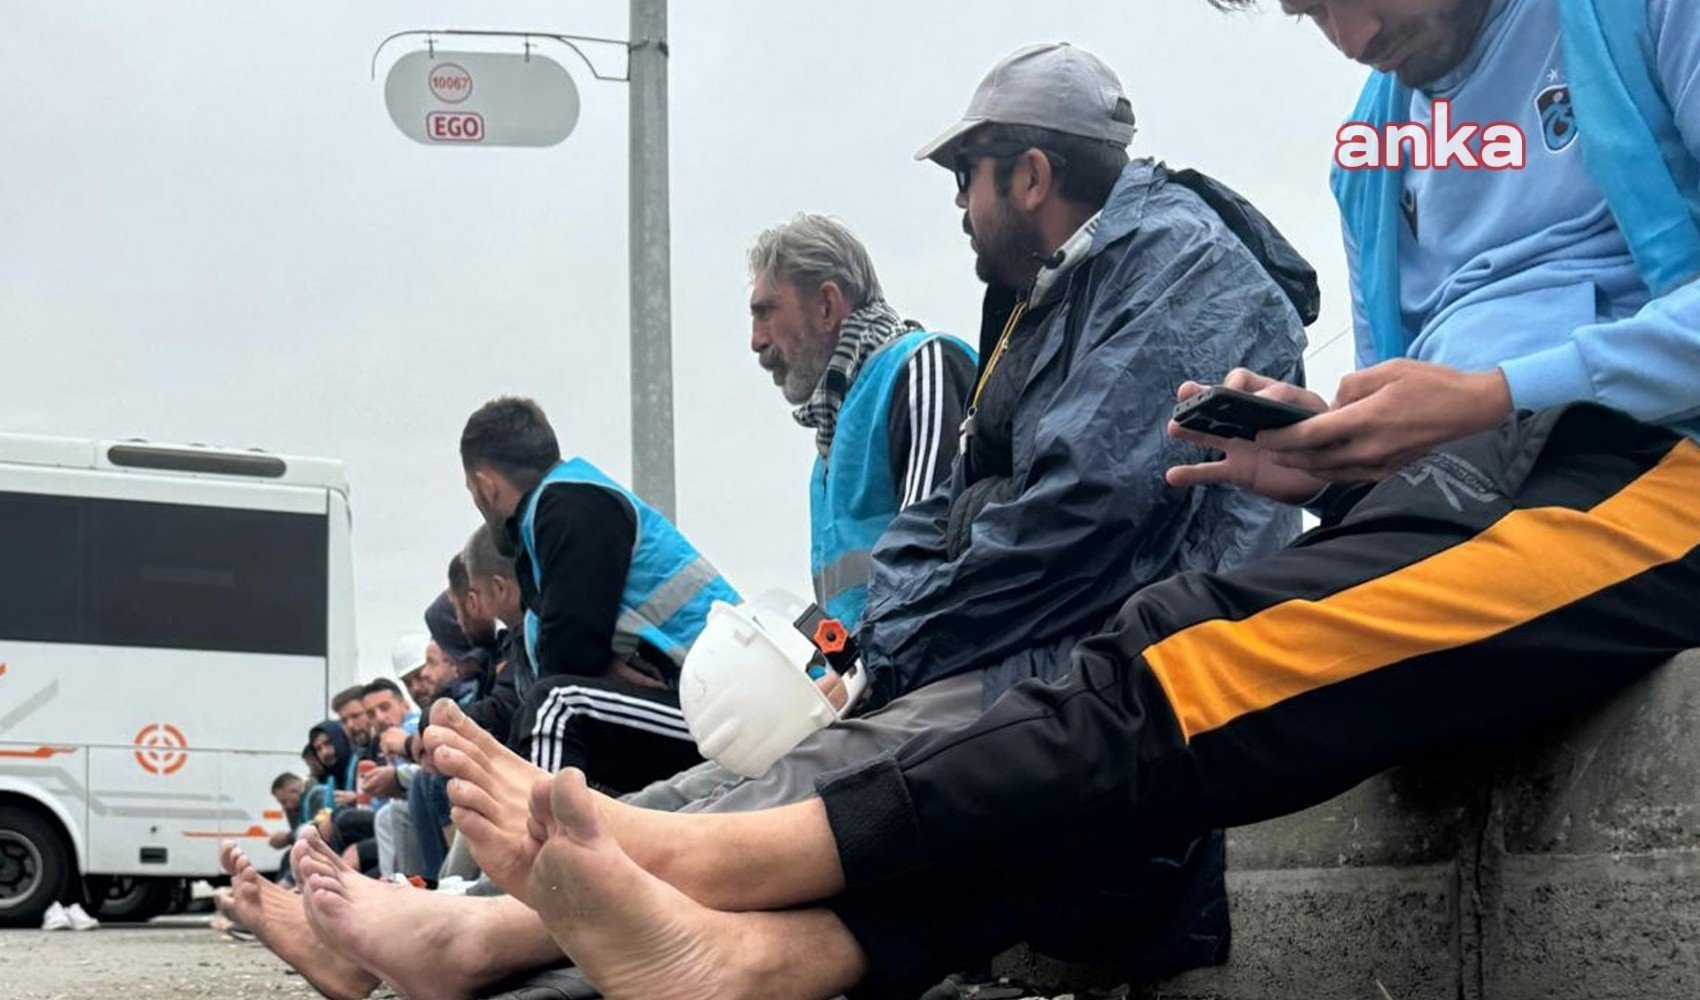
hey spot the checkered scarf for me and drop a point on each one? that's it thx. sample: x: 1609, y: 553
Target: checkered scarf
x: 865, y: 331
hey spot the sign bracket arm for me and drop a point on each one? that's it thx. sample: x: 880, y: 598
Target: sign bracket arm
x: 568, y: 41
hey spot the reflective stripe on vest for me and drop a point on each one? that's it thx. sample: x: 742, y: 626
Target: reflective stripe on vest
x: 834, y: 581
x: 669, y: 585
x: 851, y: 494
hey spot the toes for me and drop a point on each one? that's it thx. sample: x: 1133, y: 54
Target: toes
x: 458, y: 761
x: 301, y: 848
x: 467, y: 795
x: 312, y: 868
x: 542, y: 809
x: 323, y: 882
x: 471, y: 825
x: 435, y: 737
x: 573, y: 806
x: 456, y: 720
x: 317, y: 848
x: 444, y: 711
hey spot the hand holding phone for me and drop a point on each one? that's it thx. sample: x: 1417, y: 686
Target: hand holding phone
x: 1230, y: 427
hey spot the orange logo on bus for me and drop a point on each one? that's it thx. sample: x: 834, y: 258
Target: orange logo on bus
x: 160, y: 749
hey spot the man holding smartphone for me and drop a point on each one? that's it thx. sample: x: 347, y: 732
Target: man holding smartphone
x: 1477, y: 293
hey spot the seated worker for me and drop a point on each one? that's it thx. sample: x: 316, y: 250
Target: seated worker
x: 334, y: 754
x: 820, y: 324
x: 418, y: 665
x: 394, y: 724
x: 456, y: 671
x: 614, y: 597
x: 466, y: 660
x: 347, y: 826
x: 883, y: 396
x: 492, y: 602
x: 479, y: 632
x: 351, y: 712
x: 1397, y: 629
x: 299, y: 803
x: 1110, y: 281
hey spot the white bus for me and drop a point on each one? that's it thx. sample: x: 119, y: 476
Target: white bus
x: 173, y: 619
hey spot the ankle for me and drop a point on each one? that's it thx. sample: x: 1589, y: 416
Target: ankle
x: 661, y: 855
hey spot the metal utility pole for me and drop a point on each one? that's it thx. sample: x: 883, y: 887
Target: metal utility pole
x: 651, y: 272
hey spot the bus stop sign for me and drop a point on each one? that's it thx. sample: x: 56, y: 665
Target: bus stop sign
x: 481, y: 99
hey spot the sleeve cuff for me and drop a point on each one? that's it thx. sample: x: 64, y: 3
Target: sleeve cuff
x: 1333, y: 502
x: 1546, y: 378
x: 872, y: 820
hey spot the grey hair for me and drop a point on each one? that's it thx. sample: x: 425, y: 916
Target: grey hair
x: 809, y: 250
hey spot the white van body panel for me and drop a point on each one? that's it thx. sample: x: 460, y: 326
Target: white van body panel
x: 150, y: 751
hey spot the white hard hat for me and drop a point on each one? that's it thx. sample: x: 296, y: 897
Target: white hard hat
x: 409, y: 654
x: 745, y: 687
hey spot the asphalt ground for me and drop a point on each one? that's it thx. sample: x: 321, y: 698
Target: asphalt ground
x: 169, y: 957
x: 183, y: 957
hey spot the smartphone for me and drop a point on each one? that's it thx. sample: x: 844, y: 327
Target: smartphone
x: 1233, y: 414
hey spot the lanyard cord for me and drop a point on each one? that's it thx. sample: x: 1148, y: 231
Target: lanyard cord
x: 1009, y: 326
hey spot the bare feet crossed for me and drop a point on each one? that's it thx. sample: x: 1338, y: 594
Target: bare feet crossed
x: 426, y: 945
x: 277, y: 918
x: 634, y: 936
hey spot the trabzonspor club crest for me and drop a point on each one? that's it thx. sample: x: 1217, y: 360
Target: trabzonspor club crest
x: 1558, y: 118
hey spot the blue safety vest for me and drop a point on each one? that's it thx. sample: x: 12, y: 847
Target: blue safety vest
x: 851, y: 495
x: 669, y: 585
x: 1629, y: 141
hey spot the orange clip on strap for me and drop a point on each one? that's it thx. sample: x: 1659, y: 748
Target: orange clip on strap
x: 830, y: 636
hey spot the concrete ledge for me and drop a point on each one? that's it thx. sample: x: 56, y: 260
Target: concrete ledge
x: 1564, y: 867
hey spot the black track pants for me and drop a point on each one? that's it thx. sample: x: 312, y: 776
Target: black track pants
x: 622, y: 736
x: 1515, y: 577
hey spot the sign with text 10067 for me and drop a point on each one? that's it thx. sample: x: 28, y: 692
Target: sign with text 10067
x: 481, y: 99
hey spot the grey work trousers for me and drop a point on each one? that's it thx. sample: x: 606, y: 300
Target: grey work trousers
x: 708, y: 787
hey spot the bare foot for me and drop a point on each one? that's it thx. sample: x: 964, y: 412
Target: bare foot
x: 635, y: 936
x: 224, y: 901
x: 276, y: 917
x: 424, y: 944
x: 489, y: 790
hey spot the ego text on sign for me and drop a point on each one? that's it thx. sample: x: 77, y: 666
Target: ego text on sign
x: 454, y: 126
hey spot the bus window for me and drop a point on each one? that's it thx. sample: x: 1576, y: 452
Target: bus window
x: 127, y: 573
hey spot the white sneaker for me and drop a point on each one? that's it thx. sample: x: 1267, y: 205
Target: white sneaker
x: 56, y: 918
x: 80, y: 920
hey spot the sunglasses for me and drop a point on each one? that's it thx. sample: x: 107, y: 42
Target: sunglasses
x: 963, y: 163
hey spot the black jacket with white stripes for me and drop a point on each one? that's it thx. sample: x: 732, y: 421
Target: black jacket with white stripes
x: 922, y: 429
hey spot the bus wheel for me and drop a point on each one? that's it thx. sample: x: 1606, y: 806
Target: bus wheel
x: 126, y: 899
x: 35, y: 867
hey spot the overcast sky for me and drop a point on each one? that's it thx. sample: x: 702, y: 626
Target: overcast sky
x: 210, y: 231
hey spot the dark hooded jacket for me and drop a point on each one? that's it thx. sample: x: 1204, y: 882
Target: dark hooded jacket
x: 1006, y: 573
x: 342, y: 775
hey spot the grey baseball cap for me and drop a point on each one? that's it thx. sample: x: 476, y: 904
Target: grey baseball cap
x: 1054, y: 86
